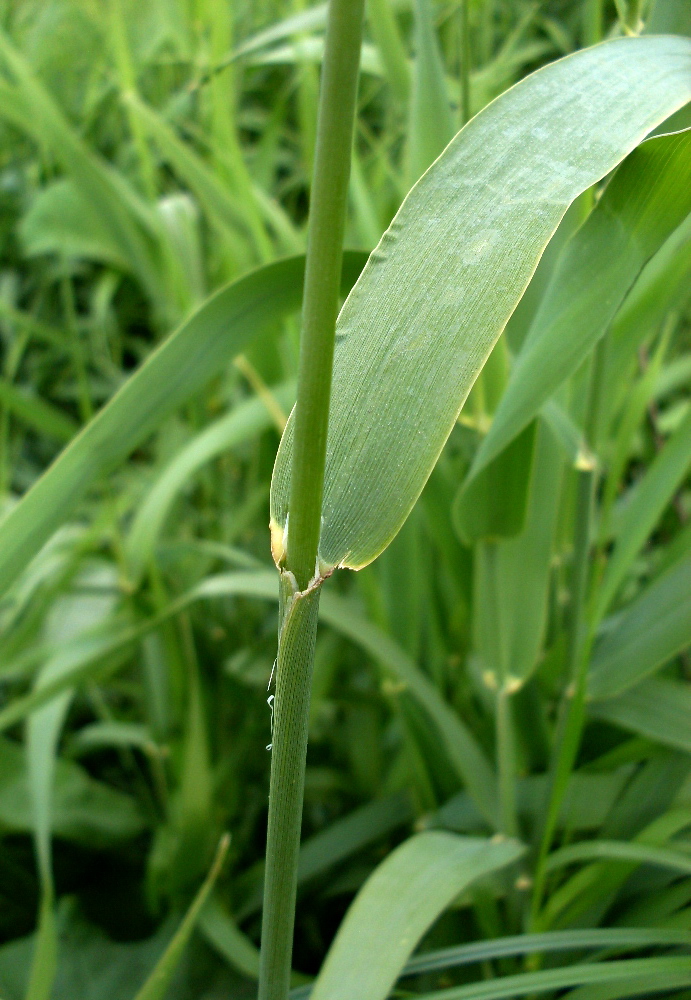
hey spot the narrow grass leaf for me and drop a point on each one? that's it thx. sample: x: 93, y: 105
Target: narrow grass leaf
x: 512, y: 577
x: 37, y: 413
x: 419, y: 324
x: 493, y: 504
x: 245, y: 421
x: 395, y: 907
x: 222, y: 210
x: 611, y: 938
x: 221, y: 931
x: 172, y: 374
x: 645, y: 635
x: 339, y: 841
x: 44, y: 960
x: 156, y: 985
x: 631, y: 977
x: 663, y: 286
x: 649, y: 498
x: 382, y: 22
x: 613, y: 850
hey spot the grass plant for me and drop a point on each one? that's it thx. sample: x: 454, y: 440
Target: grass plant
x: 480, y: 781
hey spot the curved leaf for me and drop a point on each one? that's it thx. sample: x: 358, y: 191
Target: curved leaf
x: 445, y: 278
x: 397, y: 904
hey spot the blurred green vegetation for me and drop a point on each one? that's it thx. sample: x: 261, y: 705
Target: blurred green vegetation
x: 149, y: 154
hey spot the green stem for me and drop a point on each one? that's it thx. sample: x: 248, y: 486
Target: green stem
x: 579, y: 640
x: 289, y: 737
x: 506, y: 760
x: 300, y: 601
x: 322, y: 280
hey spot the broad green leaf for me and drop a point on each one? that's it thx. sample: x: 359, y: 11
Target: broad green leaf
x: 84, y: 810
x: 660, y: 710
x: 172, y: 374
x: 648, y: 198
x: 245, y: 421
x: 156, y: 985
x: 439, y: 289
x: 645, y: 635
x: 395, y: 907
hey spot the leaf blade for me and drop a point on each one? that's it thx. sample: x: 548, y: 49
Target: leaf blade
x: 396, y: 906
x: 406, y: 358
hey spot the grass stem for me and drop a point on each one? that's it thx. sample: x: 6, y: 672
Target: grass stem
x: 322, y: 281
x: 300, y: 603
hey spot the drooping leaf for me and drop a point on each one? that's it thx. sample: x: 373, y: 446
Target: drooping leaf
x: 428, y: 308
x: 616, y: 850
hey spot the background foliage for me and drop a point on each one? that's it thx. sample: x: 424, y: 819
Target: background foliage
x: 149, y: 154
